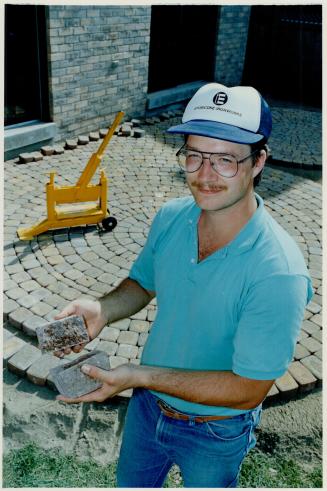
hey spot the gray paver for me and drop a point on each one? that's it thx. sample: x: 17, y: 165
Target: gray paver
x: 31, y: 323
x: 128, y: 337
x: 127, y: 351
x: 23, y: 359
x: 139, y: 326
x: 9, y: 305
x: 11, y: 346
x: 311, y: 344
x: 286, y: 385
x: 38, y: 372
x: 314, y: 364
x: 302, y: 375
x: 18, y: 316
x: 108, y: 346
x: 109, y: 333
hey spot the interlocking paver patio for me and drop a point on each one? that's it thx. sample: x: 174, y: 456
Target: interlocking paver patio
x: 43, y: 275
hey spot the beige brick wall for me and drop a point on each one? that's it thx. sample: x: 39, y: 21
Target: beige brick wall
x: 98, y: 64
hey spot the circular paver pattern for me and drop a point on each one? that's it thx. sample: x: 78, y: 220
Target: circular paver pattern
x: 41, y: 276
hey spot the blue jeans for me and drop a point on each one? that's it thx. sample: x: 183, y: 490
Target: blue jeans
x: 208, y: 454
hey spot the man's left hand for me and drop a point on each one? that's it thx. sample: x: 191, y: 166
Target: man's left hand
x: 114, y: 382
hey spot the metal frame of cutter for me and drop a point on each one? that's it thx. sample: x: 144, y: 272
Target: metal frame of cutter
x: 81, y: 204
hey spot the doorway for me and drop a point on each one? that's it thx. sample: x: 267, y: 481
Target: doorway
x: 284, y: 53
x: 182, y: 45
x: 26, y: 82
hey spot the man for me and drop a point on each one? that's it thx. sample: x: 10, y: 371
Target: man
x: 231, y: 289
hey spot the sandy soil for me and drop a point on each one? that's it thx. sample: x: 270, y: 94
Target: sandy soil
x: 291, y: 429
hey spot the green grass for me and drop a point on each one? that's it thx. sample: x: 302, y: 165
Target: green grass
x: 34, y: 467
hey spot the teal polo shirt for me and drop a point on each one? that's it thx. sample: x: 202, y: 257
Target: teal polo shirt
x: 240, y: 309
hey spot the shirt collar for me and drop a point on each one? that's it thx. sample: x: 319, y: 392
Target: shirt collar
x: 247, y: 236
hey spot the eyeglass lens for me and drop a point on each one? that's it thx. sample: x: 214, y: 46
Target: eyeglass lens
x: 224, y: 164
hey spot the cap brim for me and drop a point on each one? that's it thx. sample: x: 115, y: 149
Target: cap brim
x: 220, y: 131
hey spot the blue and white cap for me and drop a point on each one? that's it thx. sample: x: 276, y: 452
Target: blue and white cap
x: 236, y: 114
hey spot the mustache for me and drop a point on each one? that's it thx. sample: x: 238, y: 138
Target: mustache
x: 208, y: 186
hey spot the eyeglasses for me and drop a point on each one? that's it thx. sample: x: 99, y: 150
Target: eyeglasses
x: 224, y: 164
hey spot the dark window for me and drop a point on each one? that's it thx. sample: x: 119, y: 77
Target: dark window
x: 26, y: 88
x: 182, y: 45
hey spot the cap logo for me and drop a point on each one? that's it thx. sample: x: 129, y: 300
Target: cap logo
x: 220, y: 98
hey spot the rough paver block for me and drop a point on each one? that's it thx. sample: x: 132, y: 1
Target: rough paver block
x: 128, y: 337
x: 23, y: 359
x: 143, y: 336
x: 24, y: 158
x: 94, y: 136
x: 108, y: 347
x: 139, y: 326
x: 116, y: 361
x: 317, y: 318
x: 63, y: 333
x: 47, y: 150
x: 11, y: 346
x: 72, y: 382
x: 318, y: 354
x: 58, y: 150
x: 138, y: 133
x: 7, y: 334
x: 9, y: 305
x: 311, y: 344
x: 28, y: 301
x: 103, y: 132
x: 41, y: 309
x: 38, y: 372
x: 286, y: 385
x: 302, y: 375
x: 127, y: 351
x: 122, y: 325
x: 314, y: 307
x: 71, y: 144
x: 300, y: 352
x: 18, y: 316
x: 125, y: 130
x: 315, y: 366
x: 310, y: 327
x: 273, y: 392
x: 317, y: 335
x: 92, y: 345
x: 31, y: 323
x: 109, y: 333
x: 37, y: 156
x: 16, y: 293
x: 152, y: 315
x: 83, y: 140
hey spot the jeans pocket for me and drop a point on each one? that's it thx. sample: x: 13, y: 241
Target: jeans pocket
x: 228, y: 430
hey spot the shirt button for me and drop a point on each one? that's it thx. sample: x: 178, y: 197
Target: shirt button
x: 192, y: 260
x: 190, y: 221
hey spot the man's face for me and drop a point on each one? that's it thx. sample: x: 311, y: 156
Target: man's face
x: 212, y: 191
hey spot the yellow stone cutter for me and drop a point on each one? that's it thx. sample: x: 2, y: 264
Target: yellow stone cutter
x: 81, y: 204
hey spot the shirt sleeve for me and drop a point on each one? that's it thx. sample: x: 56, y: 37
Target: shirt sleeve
x: 142, y: 270
x: 269, y: 325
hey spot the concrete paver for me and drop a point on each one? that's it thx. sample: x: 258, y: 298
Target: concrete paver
x: 44, y: 274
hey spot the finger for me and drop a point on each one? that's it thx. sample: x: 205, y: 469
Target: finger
x: 95, y: 373
x: 78, y: 348
x: 69, y: 310
x: 59, y: 354
x: 67, y: 351
x: 95, y: 396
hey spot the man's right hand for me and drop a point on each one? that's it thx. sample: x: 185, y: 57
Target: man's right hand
x: 93, y: 316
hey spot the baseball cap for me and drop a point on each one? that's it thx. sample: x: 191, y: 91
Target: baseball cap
x: 237, y: 114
